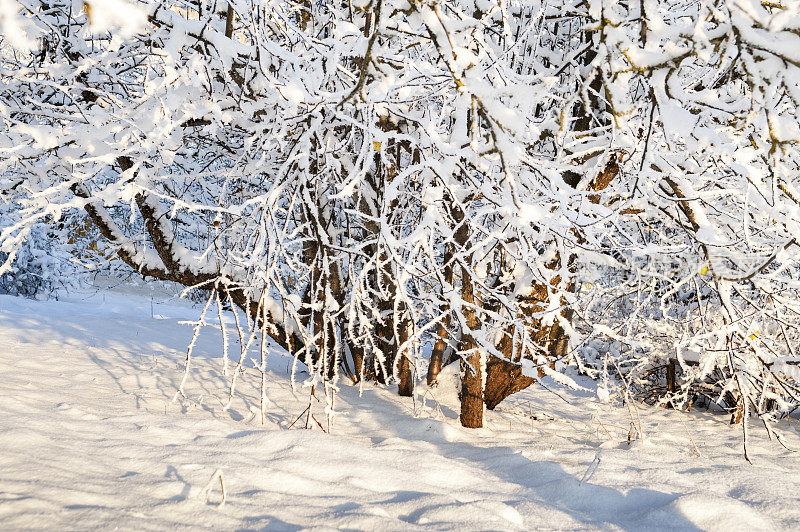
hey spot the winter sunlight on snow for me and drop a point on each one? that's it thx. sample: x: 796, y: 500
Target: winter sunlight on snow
x: 90, y: 437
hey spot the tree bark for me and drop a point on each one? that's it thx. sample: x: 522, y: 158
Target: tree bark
x: 406, y: 385
x: 471, y: 380
x: 471, y: 377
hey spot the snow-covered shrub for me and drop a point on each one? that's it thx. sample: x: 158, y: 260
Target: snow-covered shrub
x: 512, y: 181
x: 52, y: 257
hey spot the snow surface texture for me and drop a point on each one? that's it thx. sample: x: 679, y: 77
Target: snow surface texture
x: 90, y: 437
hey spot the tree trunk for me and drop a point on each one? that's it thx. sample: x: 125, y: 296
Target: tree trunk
x: 671, y: 376
x: 435, y: 364
x: 471, y: 380
x: 406, y: 385
x: 504, y: 377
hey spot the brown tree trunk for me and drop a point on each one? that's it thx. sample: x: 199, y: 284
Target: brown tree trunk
x: 504, y: 377
x: 435, y: 364
x: 471, y: 371
x: 738, y: 412
x: 385, y: 329
x: 229, y: 21
x: 671, y: 376
x: 357, y: 352
x: 406, y: 384
x: 471, y: 380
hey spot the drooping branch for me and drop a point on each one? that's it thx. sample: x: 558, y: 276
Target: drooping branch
x: 172, y: 262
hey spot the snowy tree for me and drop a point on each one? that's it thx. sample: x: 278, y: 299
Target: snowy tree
x: 704, y: 114
x: 512, y: 185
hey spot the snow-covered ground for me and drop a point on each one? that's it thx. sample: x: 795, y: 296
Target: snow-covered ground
x: 90, y: 438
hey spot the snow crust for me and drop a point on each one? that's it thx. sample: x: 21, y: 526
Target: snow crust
x: 90, y: 438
